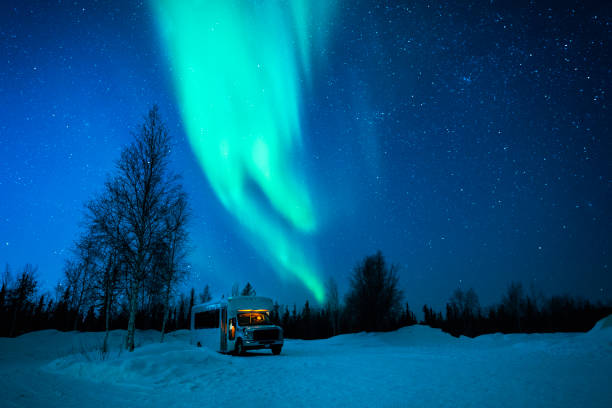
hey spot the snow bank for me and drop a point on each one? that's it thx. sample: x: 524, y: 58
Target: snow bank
x: 603, y: 324
x: 47, y: 344
x: 416, y: 335
x: 415, y: 366
x: 167, y: 363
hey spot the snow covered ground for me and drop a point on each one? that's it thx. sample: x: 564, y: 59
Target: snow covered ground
x: 413, y: 367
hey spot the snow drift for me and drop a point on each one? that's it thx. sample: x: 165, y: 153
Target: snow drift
x: 414, y: 366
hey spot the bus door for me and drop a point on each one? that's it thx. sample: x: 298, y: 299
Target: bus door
x: 223, y: 329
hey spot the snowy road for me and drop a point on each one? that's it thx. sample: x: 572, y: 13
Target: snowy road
x: 415, y: 366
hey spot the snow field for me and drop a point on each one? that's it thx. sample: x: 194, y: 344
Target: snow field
x: 415, y: 366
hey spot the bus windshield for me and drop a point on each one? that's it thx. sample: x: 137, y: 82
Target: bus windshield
x: 253, y: 318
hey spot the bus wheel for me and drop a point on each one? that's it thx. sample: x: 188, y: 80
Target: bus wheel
x: 276, y: 350
x: 239, y: 348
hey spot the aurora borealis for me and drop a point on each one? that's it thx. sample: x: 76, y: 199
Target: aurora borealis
x: 468, y: 141
x: 237, y: 68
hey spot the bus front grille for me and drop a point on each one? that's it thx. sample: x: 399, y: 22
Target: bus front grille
x: 269, y: 334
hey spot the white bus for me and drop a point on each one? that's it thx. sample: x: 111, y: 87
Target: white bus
x: 236, y: 324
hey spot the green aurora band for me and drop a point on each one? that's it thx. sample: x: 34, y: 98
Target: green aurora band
x: 237, y: 66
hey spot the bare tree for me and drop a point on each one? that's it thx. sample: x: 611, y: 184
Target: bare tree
x: 79, y: 274
x: 108, y: 282
x: 6, y: 276
x: 465, y: 304
x: 6, y: 281
x: 514, y: 303
x: 142, y: 193
x: 173, y: 248
x: 104, y: 222
x: 374, y: 297
x: 135, y: 237
x: 333, y: 304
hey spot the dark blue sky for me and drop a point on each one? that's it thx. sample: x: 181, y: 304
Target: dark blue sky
x: 469, y: 141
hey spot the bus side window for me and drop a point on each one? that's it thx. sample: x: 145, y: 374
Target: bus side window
x: 199, y: 320
x: 215, y: 318
x: 206, y: 320
x: 232, y: 328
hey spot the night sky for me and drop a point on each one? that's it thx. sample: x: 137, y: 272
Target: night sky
x: 468, y: 141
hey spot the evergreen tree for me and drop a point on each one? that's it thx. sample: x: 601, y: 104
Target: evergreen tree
x: 205, y: 296
x: 21, y: 297
x: 248, y: 290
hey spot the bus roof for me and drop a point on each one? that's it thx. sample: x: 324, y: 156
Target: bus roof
x: 237, y: 303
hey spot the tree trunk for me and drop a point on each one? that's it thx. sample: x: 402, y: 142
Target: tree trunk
x: 166, y: 307
x: 129, y: 342
x: 13, y: 323
x: 78, y: 310
x: 106, y: 323
x: 76, y: 320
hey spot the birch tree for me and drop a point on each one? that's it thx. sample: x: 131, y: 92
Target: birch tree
x: 141, y: 192
x: 174, y: 249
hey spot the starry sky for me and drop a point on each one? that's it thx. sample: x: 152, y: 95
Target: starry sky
x: 469, y: 141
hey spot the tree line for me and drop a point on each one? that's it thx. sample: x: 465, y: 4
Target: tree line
x: 519, y: 311
x: 372, y: 303
x: 23, y: 309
